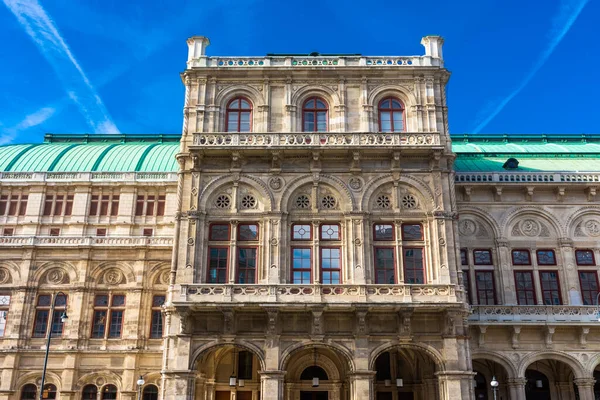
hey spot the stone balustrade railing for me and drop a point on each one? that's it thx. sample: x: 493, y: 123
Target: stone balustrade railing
x: 290, y: 293
x: 533, y: 314
x: 67, y: 241
x: 90, y: 176
x: 316, y: 61
x: 311, y: 140
x: 521, y: 177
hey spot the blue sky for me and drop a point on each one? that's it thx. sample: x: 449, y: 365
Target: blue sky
x: 113, y: 66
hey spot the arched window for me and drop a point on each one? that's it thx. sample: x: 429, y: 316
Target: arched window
x: 28, y: 392
x: 109, y: 392
x: 49, y: 392
x: 314, y: 115
x: 314, y: 372
x: 391, y: 115
x: 90, y: 392
x: 150, y: 393
x: 239, y: 112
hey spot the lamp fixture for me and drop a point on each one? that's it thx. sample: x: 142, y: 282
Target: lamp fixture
x: 241, y: 383
x: 538, y: 382
x: 388, y: 382
x: 315, y: 379
x: 232, y: 378
x: 399, y: 382
x: 494, y: 383
x: 64, y: 317
x: 141, y: 381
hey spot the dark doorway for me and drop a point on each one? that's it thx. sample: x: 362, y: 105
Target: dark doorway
x: 244, y: 395
x: 384, y: 396
x: 406, y: 396
x: 537, y: 386
x: 313, y: 396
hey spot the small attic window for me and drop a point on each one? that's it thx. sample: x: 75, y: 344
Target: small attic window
x: 511, y: 163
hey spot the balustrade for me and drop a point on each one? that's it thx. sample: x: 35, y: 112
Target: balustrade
x: 125, y: 241
x: 537, y: 313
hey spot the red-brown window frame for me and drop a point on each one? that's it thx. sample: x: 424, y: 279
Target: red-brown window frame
x: 57, y: 309
x: 557, y: 282
x: 464, y: 252
x: 537, y: 258
x: 226, y: 265
x: 16, y: 201
x: 530, y: 272
x: 109, y: 308
x: 239, y: 111
x: 210, y: 235
x: 394, y: 264
x: 51, y: 202
x: 586, y: 265
x: 310, y: 231
x: 422, y: 248
x: 512, y: 256
x: 412, y: 240
x: 310, y: 268
x: 157, y: 205
x: 384, y: 240
x: 330, y: 270
x: 97, y: 202
x: 315, y: 111
x: 248, y: 223
x: 330, y: 240
x: 491, y: 257
x: 153, y: 310
x: 392, y: 111
x: 493, y: 285
x: 237, y: 264
x: 5, y: 308
x: 595, y: 273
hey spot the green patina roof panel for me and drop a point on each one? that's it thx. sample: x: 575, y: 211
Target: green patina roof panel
x: 122, y: 158
x: 80, y: 158
x: 161, y: 158
x: 9, y: 153
x: 38, y: 158
x: 494, y: 164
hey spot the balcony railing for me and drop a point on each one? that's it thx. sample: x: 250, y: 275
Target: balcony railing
x: 312, y: 140
x: 532, y: 314
x: 67, y: 241
x: 90, y: 176
x: 289, y: 293
x: 526, y: 177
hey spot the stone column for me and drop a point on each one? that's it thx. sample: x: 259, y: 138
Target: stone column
x: 564, y: 390
x: 361, y: 385
x: 585, y: 386
x: 271, y: 384
x: 516, y: 388
x: 179, y: 385
x: 505, y: 278
x: 455, y: 385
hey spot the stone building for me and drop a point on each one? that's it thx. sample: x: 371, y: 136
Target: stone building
x: 314, y: 233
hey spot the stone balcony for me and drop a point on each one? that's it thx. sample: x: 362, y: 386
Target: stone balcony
x: 290, y: 294
x: 523, y: 315
x: 89, y: 176
x: 86, y: 241
x: 526, y: 177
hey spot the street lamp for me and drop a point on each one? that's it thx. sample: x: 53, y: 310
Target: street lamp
x: 63, y: 319
x: 140, y: 382
x: 494, y: 384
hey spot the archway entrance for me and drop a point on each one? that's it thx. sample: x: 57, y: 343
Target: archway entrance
x: 405, y: 374
x: 550, y: 380
x: 485, y: 370
x: 228, y: 373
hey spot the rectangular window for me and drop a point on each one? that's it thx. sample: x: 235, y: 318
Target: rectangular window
x: 13, y: 204
x: 248, y: 232
x: 482, y: 257
x: 550, y: 288
x: 546, y: 257
x: 383, y: 232
x: 245, y: 365
x: 330, y: 232
x: 464, y: 257
x: 589, y: 287
x: 101, y: 232
x: 108, y: 316
x: 301, y: 232
x: 412, y: 232
x: 331, y: 266
x: 385, y: 266
x: 246, y: 265
x: 150, y: 205
x: 521, y: 257
x: 104, y: 205
x: 42, y: 316
x: 585, y: 257
x: 156, y: 325
x: 160, y: 205
x: 217, y: 264
x: 54, y: 231
x: 484, y: 282
x: 57, y: 205
x: 467, y: 285
x: 525, y: 288
x: 147, y: 232
x: 139, y: 205
x: 4, y: 303
x: 8, y: 231
x: 22, y: 204
x: 219, y: 232
x: 301, y: 265
x: 414, y: 265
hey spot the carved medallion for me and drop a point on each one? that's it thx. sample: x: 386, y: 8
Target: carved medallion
x: 55, y: 276
x: 113, y: 277
x: 276, y: 183
x: 164, y: 277
x: 467, y: 227
x: 355, y: 183
x: 530, y: 227
x: 4, y: 275
x: 592, y: 228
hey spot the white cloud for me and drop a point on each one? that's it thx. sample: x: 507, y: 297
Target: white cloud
x: 30, y: 121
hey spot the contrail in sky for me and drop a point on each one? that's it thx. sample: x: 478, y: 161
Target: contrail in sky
x: 40, y: 27
x: 568, y: 13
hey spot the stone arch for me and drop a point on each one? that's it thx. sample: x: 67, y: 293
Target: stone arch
x: 401, y: 92
x: 9, y: 273
x: 156, y: 274
x: 344, y: 354
x: 591, y: 365
x: 251, y: 181
x: 577, y: 217
x: 505, y: 362
x: 432, y: 352
x: 247, y: 91
x: 215, y: 345
x: 307, y: 360
x: 576, y: 367
x: 97, y: 275
x: 419, y: 187
x: 100, y: 379
x: 517, y: 213
x: 304, y: 92
x: 36, y: 379
x: 336, y: 183
x: 69, y: 271
x: 152, y: 378
x: 483, y: 217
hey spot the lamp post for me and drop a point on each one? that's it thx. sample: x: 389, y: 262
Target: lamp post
x: 494, y: 384
x: 63, y: 319
x: 140, y: 382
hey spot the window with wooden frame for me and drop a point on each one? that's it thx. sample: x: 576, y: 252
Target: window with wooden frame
x: 314, y: 115
x: 109, y: 310
x: 4, y: 305
x: 414, y: 265
x: 13, y: 204
x: 301, y: 232
x: 391, y: 115
x: 29, y: 392
x: 245, y: 359
x: 150, y: 205
x: 585, y: 257
x: 385, y: 265
x: 550, y: 286
x: 245, y: 252
x: 383, y: 232
x: 54, y: 231
x: 482, y: 257
x: 301, y: 253
x: 156, y: 318
x: 412, y: 232
x: 104, y: 205
x: 486, y: 290
x: 588, y: 280
x: 330, y: 257
x: 89, y: 392
x: 147, y: 232
x: 58, y: 204
x: 100, y: 232
x: 464, y: 257
x: 246, y: 264
x: 217, y: 264
x: 150, y: 392
x: 8, y: 231
x: 238, y: 115
x: 109, y: 392
x: 43, y: 320
x: 546, y: 257
x: 521, y: 257
x: 525, y: 288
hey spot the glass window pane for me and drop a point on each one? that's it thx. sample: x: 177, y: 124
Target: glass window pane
x: 546, y: 257
x: 330, y: 232
x: 385, y: 104
x: 396, y: 104
x: 219, y: 232
x: 248, y: 232
x: 118, y: 300
x: 321, y: 103
x: 398, y: 121
x: 521, y: 257
x: 116, y: 323
x: 385, y: 121
x: 301, y: 232
x: 321, y: 121
x: 99, y: 324
x: 482, y: 257
x: 101, y: 300
x: 412, y: 232
x: 310, y: 104
x: 585, y: 257
x: 245, y: 104
x: 384, y: 232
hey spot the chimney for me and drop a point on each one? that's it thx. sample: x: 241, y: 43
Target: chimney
x: 433, y: 46
x: 197, y: 47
